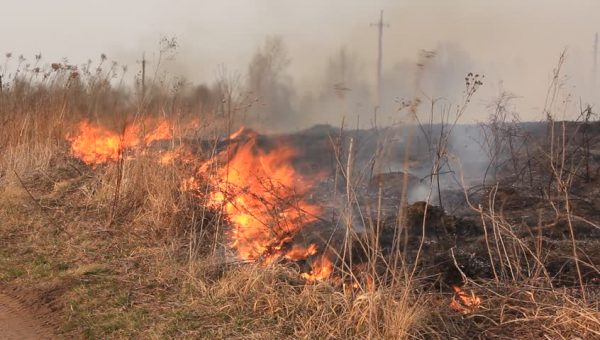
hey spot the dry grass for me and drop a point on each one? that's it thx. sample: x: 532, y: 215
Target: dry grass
x: 136, y: 278
x: 135, y: 257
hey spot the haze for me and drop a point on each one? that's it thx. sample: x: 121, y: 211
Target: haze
x: 516, y: 44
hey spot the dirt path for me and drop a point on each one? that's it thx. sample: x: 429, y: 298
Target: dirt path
x: 16, y: 322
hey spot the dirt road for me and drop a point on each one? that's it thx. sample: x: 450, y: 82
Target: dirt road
x: 16, y: 322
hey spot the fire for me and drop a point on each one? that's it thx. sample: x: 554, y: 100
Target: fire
x: 464, y: 303
x: 180, y: 154
x: 238, y: 133
x: 299, y: 252
x: 322, y: 268
x: 257, y: 187
x: 262, y: 195
x: 162, y: 132
x: 96, y: 145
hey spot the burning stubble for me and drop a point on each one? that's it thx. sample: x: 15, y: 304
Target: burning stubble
x: 257, y: 188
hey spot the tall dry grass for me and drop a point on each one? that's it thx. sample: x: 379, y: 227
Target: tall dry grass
x: 165, y: 244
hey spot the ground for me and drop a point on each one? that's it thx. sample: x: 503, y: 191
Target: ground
x: 18, y: 322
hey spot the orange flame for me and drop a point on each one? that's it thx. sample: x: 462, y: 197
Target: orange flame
x: 258, y: 189
x: 180, y: 154
x: 96, y: 145
x: 162, y: 132
x: 238, y: 133
x: 322, y: 268
x: 464, y: 303
x: 261, y: 193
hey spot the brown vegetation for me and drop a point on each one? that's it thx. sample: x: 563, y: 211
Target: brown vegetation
x: 130, y: 252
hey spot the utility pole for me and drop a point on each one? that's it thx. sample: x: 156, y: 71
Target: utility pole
x: 143, y: 75
x: 595, y: 69
x: 380, y: 25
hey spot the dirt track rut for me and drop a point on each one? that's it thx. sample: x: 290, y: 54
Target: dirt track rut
x: 16, y: 322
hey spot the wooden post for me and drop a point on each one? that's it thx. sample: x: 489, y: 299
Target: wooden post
x: 380, y: 25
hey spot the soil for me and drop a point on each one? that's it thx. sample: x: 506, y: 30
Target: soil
x: 17, y: 321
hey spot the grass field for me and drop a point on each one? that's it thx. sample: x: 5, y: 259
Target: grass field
x: 134, y: 240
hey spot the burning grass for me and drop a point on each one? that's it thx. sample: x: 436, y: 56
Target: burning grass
x: 157, y: 269
x: 166, y: 227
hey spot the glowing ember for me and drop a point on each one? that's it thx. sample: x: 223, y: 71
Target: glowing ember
x: 464, y: 303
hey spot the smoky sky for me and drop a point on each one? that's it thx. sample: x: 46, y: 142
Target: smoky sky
x: 516, y: 44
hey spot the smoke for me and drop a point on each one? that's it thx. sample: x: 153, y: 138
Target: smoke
x: 342, y: 92
x: 330, y: 48
x: 270, y: 86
